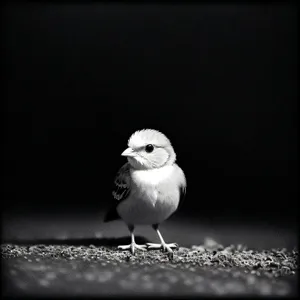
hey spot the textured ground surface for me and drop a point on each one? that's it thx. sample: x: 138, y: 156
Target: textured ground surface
x: 41, y: 269
x: 69, y: 266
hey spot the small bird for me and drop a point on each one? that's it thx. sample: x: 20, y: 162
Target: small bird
x: 149, y: 187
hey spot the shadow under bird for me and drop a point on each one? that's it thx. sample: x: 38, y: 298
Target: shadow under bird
x: 149, y: 188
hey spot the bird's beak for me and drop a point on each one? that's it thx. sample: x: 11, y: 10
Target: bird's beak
x: 128, y: 152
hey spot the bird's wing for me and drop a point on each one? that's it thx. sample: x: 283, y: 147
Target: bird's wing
x: 121, y: 191
x: 182, y: 185
x: 182, y: 191
x: 122, y: 184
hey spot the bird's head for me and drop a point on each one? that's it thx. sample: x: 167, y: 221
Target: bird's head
x: 149, y: 149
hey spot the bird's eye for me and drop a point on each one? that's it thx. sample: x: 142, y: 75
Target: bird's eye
x: 149, y: 148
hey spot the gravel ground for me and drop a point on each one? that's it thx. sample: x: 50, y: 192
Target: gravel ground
x: 208, y: 269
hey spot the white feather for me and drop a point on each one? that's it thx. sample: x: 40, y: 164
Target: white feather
x: 154, y: 195
x: 151, y: 177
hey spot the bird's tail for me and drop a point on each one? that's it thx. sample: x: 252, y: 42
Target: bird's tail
x: 111, y: 215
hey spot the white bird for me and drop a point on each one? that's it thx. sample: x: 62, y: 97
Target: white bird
x: 149, y: 187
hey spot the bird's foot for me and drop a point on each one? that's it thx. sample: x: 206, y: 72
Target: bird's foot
x: 164, y: 247
x: 132, y: 247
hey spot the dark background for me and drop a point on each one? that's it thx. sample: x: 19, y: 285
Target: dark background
x: 219, y: 80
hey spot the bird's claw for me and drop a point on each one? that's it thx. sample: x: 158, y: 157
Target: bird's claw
x: 132, y: 247
x: 171, y: 255
x: 164, y: 247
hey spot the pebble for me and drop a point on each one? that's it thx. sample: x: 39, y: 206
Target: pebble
x: 44, y: 282
x: 210, y: 243
x: 50, y: 275
x: 127, y: 284
x: 105, y: 276
x: 13, y: 272
x: 148, y: 285
x: 89, y: 277
x: 163, y: 287
x: 251, y: 279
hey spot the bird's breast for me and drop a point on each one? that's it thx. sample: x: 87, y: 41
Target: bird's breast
x: 149, y: 183
x: 154, y: 196
x: 151, y: 177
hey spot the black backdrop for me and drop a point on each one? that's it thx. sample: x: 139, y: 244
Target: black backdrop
x: 220, y: 81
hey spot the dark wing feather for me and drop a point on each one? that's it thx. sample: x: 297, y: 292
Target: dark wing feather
x: 122, y: 184
x: 121, y: 191
x: 182, y: 190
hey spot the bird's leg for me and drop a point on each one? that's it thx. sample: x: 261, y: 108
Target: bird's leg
x: 133, y: 245
x: 163, y: 245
